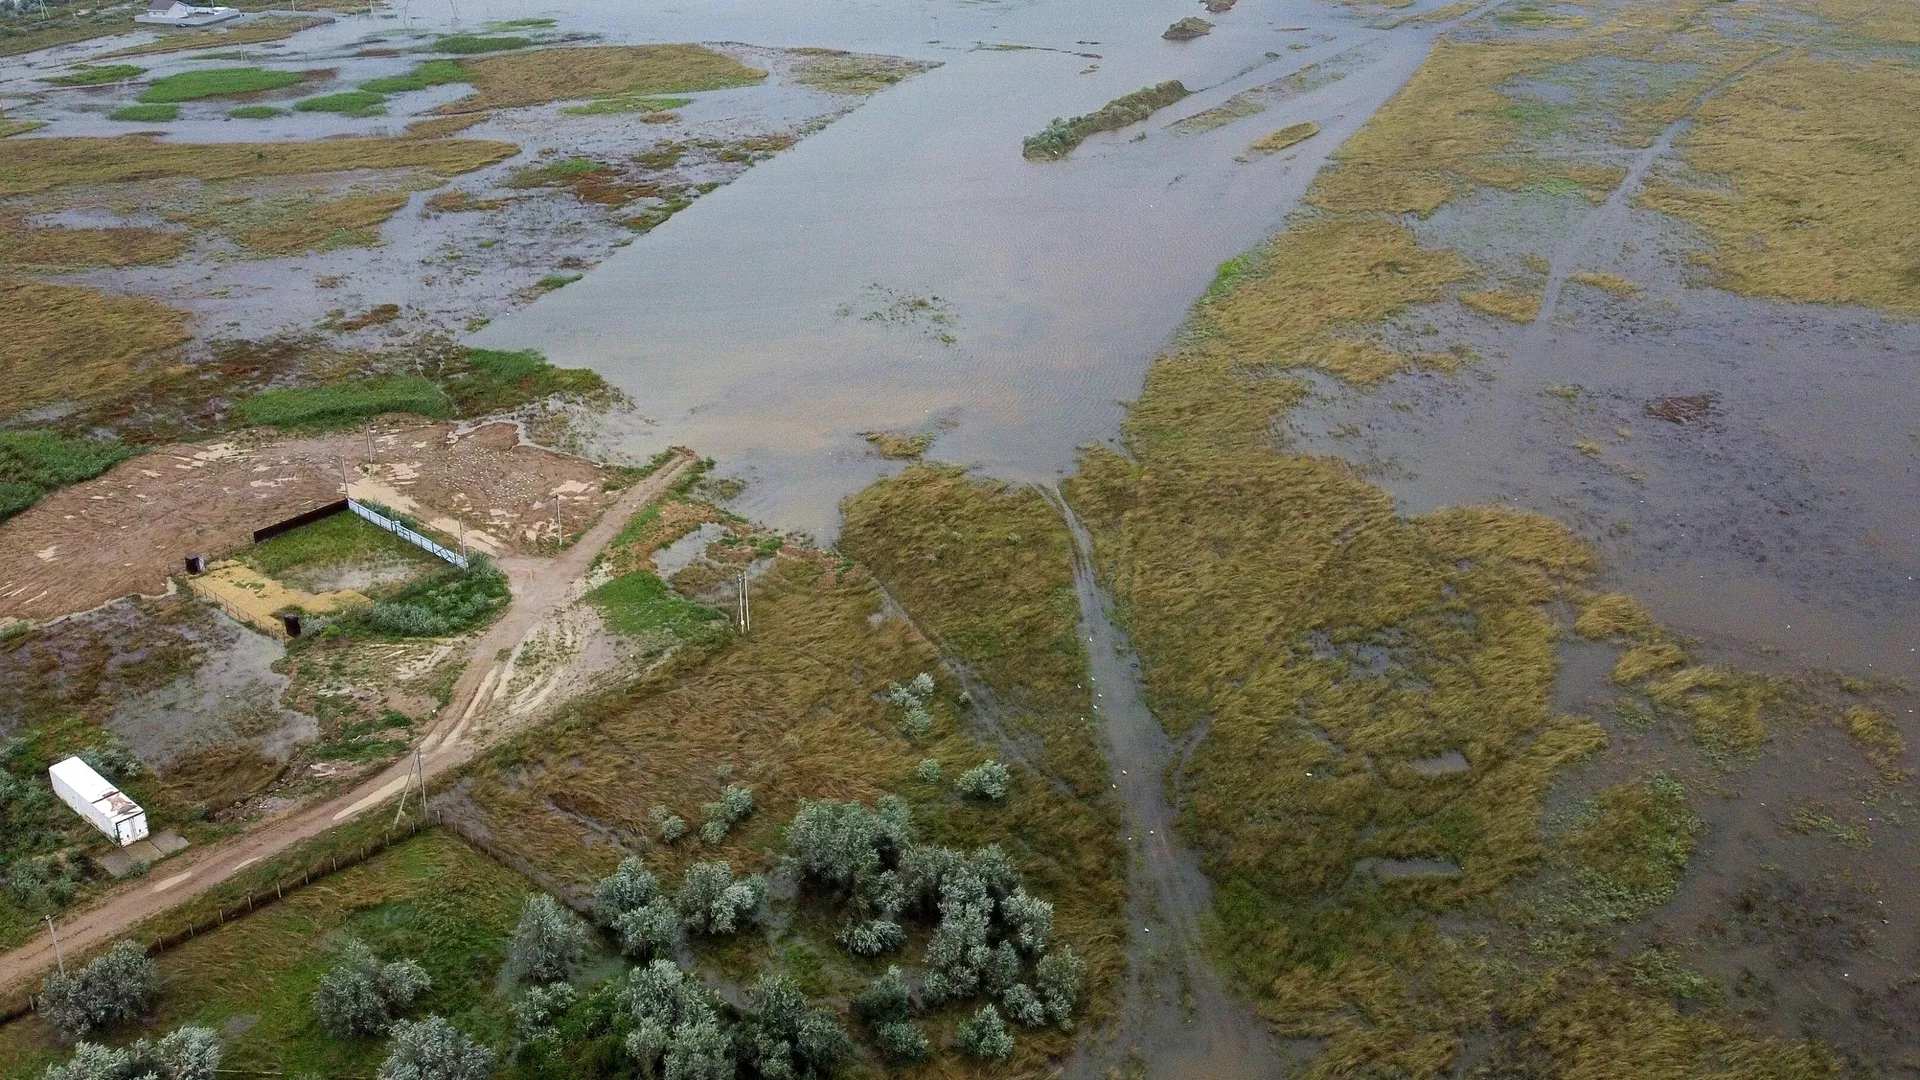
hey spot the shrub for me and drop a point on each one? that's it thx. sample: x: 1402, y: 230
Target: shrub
x: 674, y: 1018
x: 650, y: 930
x: 360, y: 997
x: 669, y: 825
x: 116, y: 987
x: 1029, y: 920
x: 928, y: 770
x: 629, y: 887
x: 450, y: 602
x: 785, y: 1036
x: 734, y: 805
x: 912, y: 699
x: 872, y: 937
x: 885, y: 1001
x: 843, y: 845
x: 887, y: 1007
x: 711, y: 902
x: 902, y: 1042
x: 188, y: 1053
x: 435, y: 1050
x: 987, y: 780
x: 1057, y: 980
x: 1059, y: 138
x: 537, y: 1014
x: 344, y: 403
x: 984, y: 1035
x: 548, y: 943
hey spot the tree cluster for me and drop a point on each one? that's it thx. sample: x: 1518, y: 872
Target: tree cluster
x: 118, y: 986
x: 188, y: 1053
x: 361, y: 997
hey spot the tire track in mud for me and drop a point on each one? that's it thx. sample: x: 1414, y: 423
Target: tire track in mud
x: 1178, y: 1018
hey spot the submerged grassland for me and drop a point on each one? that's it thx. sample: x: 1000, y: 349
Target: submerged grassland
x: 1379, y: 777
x: 986, y: 568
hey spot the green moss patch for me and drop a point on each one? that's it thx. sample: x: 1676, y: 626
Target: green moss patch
x: 217, y: 82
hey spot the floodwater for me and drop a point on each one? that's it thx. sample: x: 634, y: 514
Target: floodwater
x: 761, y: 327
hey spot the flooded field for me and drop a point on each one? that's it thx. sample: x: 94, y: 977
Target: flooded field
x: 1416, y: 499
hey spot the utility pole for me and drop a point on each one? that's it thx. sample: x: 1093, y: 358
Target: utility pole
x: 57, y: 958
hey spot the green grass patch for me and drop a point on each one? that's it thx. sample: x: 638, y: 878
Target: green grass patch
x: 497, y: 380
x: 469, y: 44
x: 92, y: 75
x: 342, y: 403
x: 612, y: 105
x: 217, y: 82
x: 450, y: 602
x: 557, y: 281
x: 1058, y: 138
x: 255, y: 112
x: 640, y: 603
x: 554, y: 172
x: 343, y: 540
x: 431, y: 73
x: 521, y: 24
x: 430, y: 899
x: 346, y: 103
x: 33, y: 463
x: 146, y: 114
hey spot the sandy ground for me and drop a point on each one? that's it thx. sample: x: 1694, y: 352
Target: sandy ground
x: 130, y: 529
x: 541, y: 587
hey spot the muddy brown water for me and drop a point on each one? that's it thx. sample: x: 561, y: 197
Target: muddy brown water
x: 742, y: 328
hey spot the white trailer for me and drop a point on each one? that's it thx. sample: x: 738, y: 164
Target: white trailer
x: 102, y: 804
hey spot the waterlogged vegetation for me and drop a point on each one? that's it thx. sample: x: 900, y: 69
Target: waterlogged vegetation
x: 1059, y: 137
x: 217, y: 82
x: 484, y: 382
x: 345, y: 403
x: 96, y: 74
x: 1291, y: 135
x: 602, y: 71
x: 346, y: 103
x: 145, y: 114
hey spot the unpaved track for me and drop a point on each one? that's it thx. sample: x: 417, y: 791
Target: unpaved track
x: 1178, y: 1019
x: 541, y: 587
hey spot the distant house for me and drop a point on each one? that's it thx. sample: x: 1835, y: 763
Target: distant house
x: 176, y: 13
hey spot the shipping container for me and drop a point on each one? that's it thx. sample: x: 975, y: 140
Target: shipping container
x: 102, y: 804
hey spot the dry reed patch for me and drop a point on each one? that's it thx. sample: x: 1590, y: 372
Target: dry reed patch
x: 269, y: 28
x: 67, y: 343
x: 1823, y: 163
x: 1879, y: 739
x: 838, y: 72
x: 437, y: 127
x: 1614, y: 615
x: 1281, y: 304
x: 797, y: 710
x: 1606, y: 282
x: 36, y: 165
x: 1291, y: 135
x: 296, y: 224
x: 896, y: 447
x: 986, y: 569
x: 22, y: 247
x: 510, y: 80
x: 1510, y: 304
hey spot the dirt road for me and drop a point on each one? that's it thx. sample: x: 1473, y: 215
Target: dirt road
x: 540, y: 587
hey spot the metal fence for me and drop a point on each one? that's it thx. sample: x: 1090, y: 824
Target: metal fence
x: 407, y: 534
